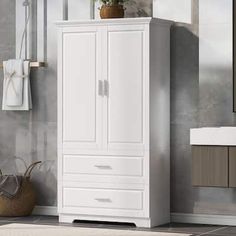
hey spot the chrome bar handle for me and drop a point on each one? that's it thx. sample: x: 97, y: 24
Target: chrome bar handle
x: 103, y: 199
x: 106, y: 88
x: 100, y: 88
x: 104, y: 167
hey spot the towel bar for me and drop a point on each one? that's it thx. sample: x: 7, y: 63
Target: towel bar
x: 33, y: 64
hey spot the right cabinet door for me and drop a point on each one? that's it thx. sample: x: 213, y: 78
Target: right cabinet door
x: 232, y: 167
x: 126, y: 71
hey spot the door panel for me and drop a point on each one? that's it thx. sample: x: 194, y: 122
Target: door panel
x: 232, y: 167
x: 125, y: 104
x: 81, y: 102
x: 210, y: 166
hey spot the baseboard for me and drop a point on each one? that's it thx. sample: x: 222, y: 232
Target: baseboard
x: 45, y: 211
x: 203, y: 219
x: 175, y: 217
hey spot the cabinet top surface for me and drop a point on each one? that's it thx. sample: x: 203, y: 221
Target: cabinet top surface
x: 138, y: 20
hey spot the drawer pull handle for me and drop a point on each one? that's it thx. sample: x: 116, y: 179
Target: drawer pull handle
x: 103, y: 199
x: 103, y: 167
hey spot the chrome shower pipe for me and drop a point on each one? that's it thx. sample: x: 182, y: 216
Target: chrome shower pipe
x: 26, y: 5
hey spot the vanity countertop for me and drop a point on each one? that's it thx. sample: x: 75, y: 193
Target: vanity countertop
x: 217, y: 136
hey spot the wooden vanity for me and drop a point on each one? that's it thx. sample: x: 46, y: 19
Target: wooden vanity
x: 213, y: 157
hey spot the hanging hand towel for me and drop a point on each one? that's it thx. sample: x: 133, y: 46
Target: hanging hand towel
x: 16, y: 86
x: 13, y: 82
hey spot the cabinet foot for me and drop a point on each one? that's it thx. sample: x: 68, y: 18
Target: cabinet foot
x: 143, y: 223
x: 67, y: 218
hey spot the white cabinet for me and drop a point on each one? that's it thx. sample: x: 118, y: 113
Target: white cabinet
x: 113, y: 120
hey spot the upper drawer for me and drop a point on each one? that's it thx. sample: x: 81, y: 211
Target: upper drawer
x: 122, y: 166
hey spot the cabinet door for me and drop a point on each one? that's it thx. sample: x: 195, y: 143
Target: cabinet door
x: 210, y: 166
x: 232, y: 167
x: 81, y: 102
x: 127, y: 75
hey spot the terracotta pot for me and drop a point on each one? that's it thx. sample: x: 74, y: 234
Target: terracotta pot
x: 112, y: 11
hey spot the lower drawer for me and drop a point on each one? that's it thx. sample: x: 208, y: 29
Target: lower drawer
x: 101, y: 198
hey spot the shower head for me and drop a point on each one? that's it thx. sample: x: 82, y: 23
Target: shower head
x: 26, y: 3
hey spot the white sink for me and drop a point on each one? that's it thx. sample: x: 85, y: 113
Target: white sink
x: 218, y: 136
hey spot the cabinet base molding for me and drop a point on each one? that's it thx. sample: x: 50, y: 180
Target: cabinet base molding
x: 203, y: 219
x: 139, y: 222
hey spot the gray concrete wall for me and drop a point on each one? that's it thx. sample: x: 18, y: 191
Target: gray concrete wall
x: 201, y: 95
x: 215, y: 92
x: 31, y: 136
x: 176, y: 10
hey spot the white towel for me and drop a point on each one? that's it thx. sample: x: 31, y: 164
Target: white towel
x: 16, y: 86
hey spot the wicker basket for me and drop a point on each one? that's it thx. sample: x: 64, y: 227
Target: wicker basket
x: 24, y: 201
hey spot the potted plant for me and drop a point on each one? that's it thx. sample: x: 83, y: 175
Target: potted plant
x: 112, y: 8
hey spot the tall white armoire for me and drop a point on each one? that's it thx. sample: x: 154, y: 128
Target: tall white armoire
x: 114, y: 121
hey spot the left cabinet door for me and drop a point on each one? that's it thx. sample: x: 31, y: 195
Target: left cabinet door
x: 80, y: 96
x: 210, y: 166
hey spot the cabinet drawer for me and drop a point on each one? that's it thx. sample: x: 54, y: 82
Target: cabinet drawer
x: 99, y: 198
x: 73, y: 164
